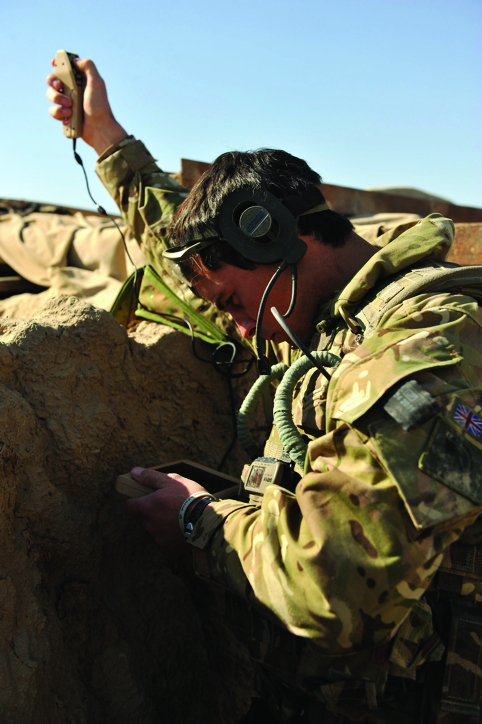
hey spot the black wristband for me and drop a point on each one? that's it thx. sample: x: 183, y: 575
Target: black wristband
x: 195, y: 514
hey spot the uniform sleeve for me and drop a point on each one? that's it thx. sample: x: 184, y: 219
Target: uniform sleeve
x: 333, y: 563
x: 343, y: 561
x: 146, y: 196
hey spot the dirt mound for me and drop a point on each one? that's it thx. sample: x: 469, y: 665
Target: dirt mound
x: 97, y: 625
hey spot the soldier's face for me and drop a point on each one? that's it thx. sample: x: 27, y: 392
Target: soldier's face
x: 239, y: 291
x: 322, y: 270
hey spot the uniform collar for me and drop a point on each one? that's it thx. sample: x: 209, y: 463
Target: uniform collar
x: 429, y: 238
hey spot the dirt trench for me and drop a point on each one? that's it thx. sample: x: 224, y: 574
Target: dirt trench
x: 97, y: 624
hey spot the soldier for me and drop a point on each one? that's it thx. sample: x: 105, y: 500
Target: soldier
x: 355, y: 578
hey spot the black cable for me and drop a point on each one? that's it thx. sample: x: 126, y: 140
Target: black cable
x: 294, y: 287
x: 229, y: 375
x: 297, y: 342
x: 235, y: 424
x: 264, y: 366
x: 103, y: 212
x: 212, y: 361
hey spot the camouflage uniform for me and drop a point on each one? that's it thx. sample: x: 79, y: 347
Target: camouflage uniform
x: 334, y: 588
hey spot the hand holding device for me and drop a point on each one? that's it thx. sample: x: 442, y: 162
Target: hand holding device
x: 73, y: 85
x: 156, y: 498
x: 158, y: 512
x: 225, y: 486
x: 99, y: 128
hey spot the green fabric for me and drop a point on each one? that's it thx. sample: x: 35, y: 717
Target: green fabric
x: 429, y: 239
x: 150, y: 297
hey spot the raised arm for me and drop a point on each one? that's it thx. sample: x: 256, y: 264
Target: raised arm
x: 146, y: 197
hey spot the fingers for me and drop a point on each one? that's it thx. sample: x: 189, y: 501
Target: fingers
x: 53, y: 81
x: 158, y: 480
x: 60, y: 112
x: 88, y: 67
x: 100, y: 129
x: 145, y: 506
x: 169, y: 489
x: 92, y: 75
x: 62, y: 109
x: 85, y: 65
x: 158, y: 512
x: 54, y: 94
x: 152, y: 478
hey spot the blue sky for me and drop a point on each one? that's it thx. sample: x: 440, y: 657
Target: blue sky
x: 369, y: 92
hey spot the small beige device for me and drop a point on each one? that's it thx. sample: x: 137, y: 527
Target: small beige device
x: 126, y: 485
x: 223, y: 486
x: 73, y: 84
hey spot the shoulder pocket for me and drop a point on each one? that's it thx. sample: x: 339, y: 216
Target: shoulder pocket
x: 438, y: 466
x: 453, y: 454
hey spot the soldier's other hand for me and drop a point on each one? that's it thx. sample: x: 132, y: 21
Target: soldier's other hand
x: 100, y: 128
x: 159, y: 511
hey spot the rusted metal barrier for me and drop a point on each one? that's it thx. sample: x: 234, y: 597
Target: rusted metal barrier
x: 467, y: 246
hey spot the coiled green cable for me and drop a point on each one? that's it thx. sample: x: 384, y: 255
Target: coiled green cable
x: 291, y: 439
x: 249, y: 404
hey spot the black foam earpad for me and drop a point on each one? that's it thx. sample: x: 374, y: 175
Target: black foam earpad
x: 260, y: 228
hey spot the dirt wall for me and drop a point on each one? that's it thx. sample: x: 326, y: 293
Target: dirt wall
x: 97, y: 625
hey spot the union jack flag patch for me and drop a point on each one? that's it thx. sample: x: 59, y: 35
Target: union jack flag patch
x: 467, y: 419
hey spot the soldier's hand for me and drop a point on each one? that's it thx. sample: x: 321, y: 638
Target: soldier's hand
x: 100, y: 128
x: 159, y: 512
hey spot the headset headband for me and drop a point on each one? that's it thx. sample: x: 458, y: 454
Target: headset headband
x: 261, y: 227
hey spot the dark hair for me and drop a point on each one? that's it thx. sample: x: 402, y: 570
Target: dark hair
x: 277, y: 171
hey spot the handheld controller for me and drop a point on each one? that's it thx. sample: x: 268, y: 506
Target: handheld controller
x: 73, y: 84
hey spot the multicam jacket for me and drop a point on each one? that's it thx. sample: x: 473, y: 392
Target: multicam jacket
x: 333, y: 576
x: 146, y: 196
x: 343, y: 561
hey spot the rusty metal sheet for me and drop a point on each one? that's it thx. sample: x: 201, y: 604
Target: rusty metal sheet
x: 191, y: 171
x: 354, y: 202
x: 467, y: 246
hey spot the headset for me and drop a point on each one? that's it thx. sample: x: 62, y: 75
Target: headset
x: 263, y: 229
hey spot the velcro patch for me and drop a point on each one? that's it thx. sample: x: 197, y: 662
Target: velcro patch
x: 411, y: 405
x: 454, y: 460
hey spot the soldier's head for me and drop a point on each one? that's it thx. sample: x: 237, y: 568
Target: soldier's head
x: 275, y: 171
x: 252, y: 222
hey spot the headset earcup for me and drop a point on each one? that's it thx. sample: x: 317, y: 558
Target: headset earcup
x: 281, y: 243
